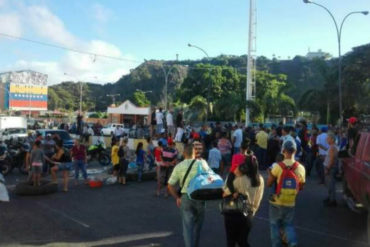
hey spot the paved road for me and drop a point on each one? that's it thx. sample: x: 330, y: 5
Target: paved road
x: 131, y: 215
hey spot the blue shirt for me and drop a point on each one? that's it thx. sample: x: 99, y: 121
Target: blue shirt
x: 164, y: 141
x: 140, y: 156
x: 214, y: 158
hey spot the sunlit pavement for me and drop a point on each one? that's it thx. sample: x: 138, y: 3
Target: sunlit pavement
x: 117, y: 215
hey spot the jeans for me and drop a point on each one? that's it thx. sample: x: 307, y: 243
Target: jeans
x: 282, y: 218
x: 159, y: 128
x: 151, y: 162
x: 331, y: 183
x: 236, y: 150
x: 140, y: 169
x: 192, y: 214
x: 237, y: 228
x: 80, y: 165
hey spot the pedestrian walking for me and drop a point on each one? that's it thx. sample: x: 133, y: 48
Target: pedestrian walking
x: 158, y: 162
x: 237, y: 139
x: 289, y: 175
x: 140, y: 161
x: 261, y: 141
x: 224, y: 145
x: 323, y: 146
x: 249, y: 184
x: 123, y: 154
x: 170, y: 123
x: 215, y: 159
x: 192, y: 211
x: 115, y: 158
x: 331, y: 170
x: 169, y: 160
x: 79, y: 158
x: 159, y: 121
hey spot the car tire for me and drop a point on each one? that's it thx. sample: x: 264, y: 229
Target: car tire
x: 27, y: 188
x: 104, y: 159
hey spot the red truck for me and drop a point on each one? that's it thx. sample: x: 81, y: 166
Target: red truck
x: 356, y: 168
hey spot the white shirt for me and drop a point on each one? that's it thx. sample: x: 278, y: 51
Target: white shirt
x: 321, y: 140
x: 169, y: 119
x: 90, y: 131
x: 179, y: 133
x: 238, y: 134
x: 159, y: 117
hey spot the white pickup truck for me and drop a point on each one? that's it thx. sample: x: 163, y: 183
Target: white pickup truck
x: 12, y: 127
x: 108, y: 130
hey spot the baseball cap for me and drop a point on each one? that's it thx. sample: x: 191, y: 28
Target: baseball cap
x: 289, y: 146
x: 352, y: 120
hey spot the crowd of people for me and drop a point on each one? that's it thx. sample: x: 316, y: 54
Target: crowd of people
x: 236, y: 153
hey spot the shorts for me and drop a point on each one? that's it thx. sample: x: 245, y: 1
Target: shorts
x: 36, y: 170
x: 65, y: 166
x: 158, y: 163
x: 123, y: 168
x: 164, y: 174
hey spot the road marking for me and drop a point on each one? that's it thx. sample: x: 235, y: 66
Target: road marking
x: 319, y: 232
x: 64, y: 215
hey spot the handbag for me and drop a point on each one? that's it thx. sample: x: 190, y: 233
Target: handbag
x: 185, y: 177
x: 206, y: 185
x: 231, y: 205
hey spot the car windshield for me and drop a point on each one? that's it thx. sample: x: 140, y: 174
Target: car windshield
x: 16, y: 131
x: 63, y: 135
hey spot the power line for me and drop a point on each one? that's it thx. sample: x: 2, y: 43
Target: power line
x: 68, y: 48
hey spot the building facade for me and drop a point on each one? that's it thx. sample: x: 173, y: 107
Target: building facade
x: 24, y: 91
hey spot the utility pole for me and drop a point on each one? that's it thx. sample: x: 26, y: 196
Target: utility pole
x: 113, y: 96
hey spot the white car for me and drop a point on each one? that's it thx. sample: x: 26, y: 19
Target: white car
x: 110, y: 128
x: 13, y: 133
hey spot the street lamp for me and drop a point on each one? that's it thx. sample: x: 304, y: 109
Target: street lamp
x: 209, y: 86
x: 339, y: 39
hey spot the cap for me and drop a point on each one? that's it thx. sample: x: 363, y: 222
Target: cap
x: 290, y: 146
x: 196, y: 136
x: 352, y: 120
x: 324, y: 129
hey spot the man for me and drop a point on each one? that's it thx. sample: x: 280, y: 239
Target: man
x: 169, y: 121
x: 261, y: 141
x: 215, y: 158
x: 192, y: 211
x: 159, y: 120
x: 153, y: 122
x: 169, y: 158
x: 282, y: 203
x: 179, y: 120
x: 237, y: 139
x: 323, y: 146
x: 285, y: 136
x: 331, y: 170
x: 48, y: 147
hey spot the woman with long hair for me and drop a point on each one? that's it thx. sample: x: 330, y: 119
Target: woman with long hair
x: 140, y: 160
x: 249, y: 184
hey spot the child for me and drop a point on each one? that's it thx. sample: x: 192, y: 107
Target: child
x: 140, y: 160
x: 115, y: 158
x: 37, y: 160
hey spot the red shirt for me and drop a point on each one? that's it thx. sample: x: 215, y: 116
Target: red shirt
x: 237, y: 160
x: 158, y: 154
x: 78, y: 153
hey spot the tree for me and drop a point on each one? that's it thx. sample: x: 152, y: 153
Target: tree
x: 140, y: 99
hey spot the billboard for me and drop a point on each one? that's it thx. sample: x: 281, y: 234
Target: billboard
x: 27, y: 90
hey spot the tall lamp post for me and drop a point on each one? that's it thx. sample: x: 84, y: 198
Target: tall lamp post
x: 209, y: 86
x: 339, y: 39
x: 166, y: 76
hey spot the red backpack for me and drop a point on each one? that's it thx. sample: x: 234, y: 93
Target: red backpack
x: 288, y: 185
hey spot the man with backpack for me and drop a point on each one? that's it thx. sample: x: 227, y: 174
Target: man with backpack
x: 192, y: 211
x: 289, y: 177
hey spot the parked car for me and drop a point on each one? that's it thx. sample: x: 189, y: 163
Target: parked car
x: 64, y: 135
x: 356, y: 168
x: 13, y: 134
x: 108, y: 130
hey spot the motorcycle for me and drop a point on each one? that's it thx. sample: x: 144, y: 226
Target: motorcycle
x: 14, y: 156
x: 98, y: 152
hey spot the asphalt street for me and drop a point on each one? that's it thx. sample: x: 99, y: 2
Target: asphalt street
x: 117, y: 215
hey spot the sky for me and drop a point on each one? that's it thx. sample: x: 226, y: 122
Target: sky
x: 134, y: 30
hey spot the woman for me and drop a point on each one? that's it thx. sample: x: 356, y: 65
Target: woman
x: 331, y: 169
x: 249, y: 183
x: 62, y: 162
x: 37, y: 159
x: 150, y: 152
x: 140, y: 160
x: 115, y: 158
